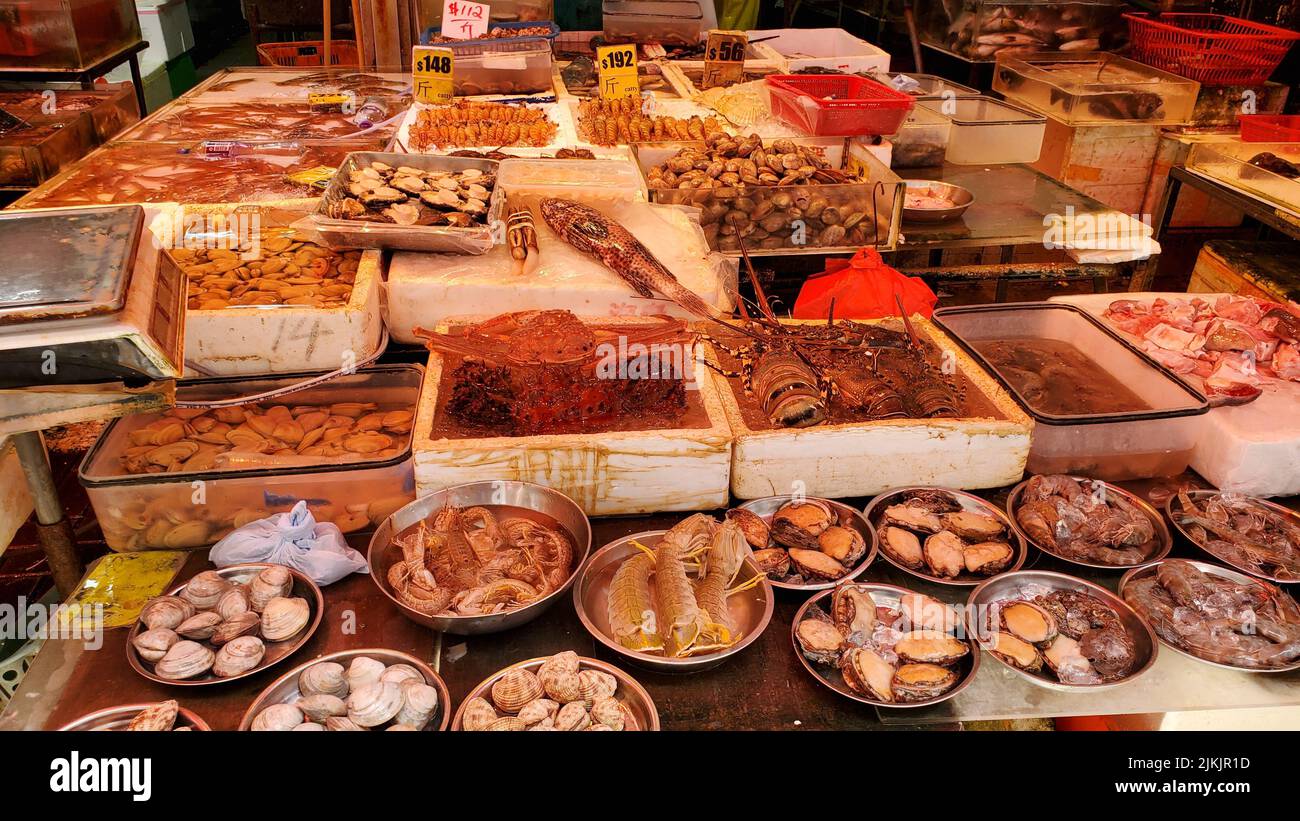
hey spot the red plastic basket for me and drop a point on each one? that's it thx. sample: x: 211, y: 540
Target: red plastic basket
x: 308, y: 53
x: 1213, y: 49
x: 1270, y: 128
x: 837, y: 105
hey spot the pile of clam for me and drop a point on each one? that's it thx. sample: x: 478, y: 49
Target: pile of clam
x: 366, y: 695
x: 807, y: 541
x: 902, y: 654
x: 559, y: 696
x: 220, y: 627
x: 930, y: 530
x: 379, y: 192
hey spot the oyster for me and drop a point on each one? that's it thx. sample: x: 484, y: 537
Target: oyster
x: 843, y: 544
x: 930, y: 647
x: 321, y: 706
x: 185, y: 660
x: 375, y: 703
x: 867, y: 673
x: 928, y: 614
x: 1068, y: 662
x: 752, y: 525
x: 913, y: 518
x: 284, y: 618
x: 152, y: 645
x: 853, y: 611
x: 1028, y: 622
x: 516, y: 688
x: 820, y: 640
x: 326, y: 677
x: 971, y: 525
x: 159, y: 717
x: 1016, y: 652
x: 774, y: 561
x: 945, y: 554
x: 903, y: 546
x: 798, y: 524
x: 242, y: 624
x: 238, y: 656
x: 988, y: 558
x: 815, y: 564
x: 278, y: 717
x: 199, y: 627
x: 919, y: 682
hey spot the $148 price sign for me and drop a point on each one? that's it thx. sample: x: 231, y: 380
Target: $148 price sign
x: 617, y: 66
x: 431, y: 74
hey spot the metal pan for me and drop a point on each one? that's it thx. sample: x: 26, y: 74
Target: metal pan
x: 884, y: 595
x: 276, y: 651
x: 116, y: 718
x: 1174, y: 507
x: 961, y: 200
x: 875, y: 512
x: 1009, y: 586
x: 284, y: 690
x: 764, y: 508
x: 752, y: 609
x: 1223, y: 573
x: 525, y: 495
x: 636, y: 701
x: 1164, y: 541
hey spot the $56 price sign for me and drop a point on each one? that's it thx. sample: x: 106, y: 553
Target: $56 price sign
x: 431, y: 74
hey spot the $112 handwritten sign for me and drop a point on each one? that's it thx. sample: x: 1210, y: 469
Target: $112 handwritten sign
x: 431, y: 74
x: 462, y: 20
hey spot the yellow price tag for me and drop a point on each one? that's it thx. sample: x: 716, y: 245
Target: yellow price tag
x: 724, y: 57
x: 617, y: 66
x: 431, y: 74
x: 330, y: 102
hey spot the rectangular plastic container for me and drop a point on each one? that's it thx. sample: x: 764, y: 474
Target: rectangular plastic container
x: 1270, y: 128
x: 988, y: 131
x: 31, y: 155
x: 64, y: 34
x: 1095, y: 88
x: 520, y: 71
x: 837, y: 105
x: 192, y: 508
x: 833, y: 48
x: 487, y: 45
x: 111, y: 107
x: 932, y: 85
x: 922, y: 140
x: 669, y: 22
x: 1154, y: 441
x: 527, y: 180
x: 977, y: 30
x: 1229, y: 163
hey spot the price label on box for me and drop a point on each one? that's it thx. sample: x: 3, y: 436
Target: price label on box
x: 464, y: 21
x: 431, y: 74
x: 724, y: 58
x: 617, y: 66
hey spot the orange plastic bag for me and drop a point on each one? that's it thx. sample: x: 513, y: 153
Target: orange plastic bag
x: 863, y: 287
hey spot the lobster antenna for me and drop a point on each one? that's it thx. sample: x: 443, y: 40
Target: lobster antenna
x: 907, y: 323
x: 760, y: 298
x: 830, y: 314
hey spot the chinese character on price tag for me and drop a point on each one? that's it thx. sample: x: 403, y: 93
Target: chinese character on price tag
x: 617, y: 65
x: 464, y: 21
x: 724, y: 58
x: 431, y: 73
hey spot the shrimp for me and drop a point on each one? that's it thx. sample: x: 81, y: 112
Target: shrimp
x: 682, y: 619
x: 719, y: 567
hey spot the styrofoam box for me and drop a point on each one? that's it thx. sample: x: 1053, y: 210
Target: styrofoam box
x: 828, y: 48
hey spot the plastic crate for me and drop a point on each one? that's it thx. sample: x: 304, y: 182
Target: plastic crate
x: 308, y: 53
x: 1270, y: 128
x: 837, y: 105
x: 1213, y: 49
x: 495, y: 44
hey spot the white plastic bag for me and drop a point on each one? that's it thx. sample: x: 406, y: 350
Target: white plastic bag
x: 293, y: 539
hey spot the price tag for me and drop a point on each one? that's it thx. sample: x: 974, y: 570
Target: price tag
x: 464, y: 21
x: 331, y: 102
x: 431, y: 74
x: 617, y: 66
x: 724, y: 57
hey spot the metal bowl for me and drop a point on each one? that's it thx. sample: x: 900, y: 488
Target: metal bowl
x: 1198, y: 495
x: 524, y: 495
x: 875, y: 512
x: 1223, y: 573
x: 116, y: 718
x: 1164, y: 541
x: 1009, y: 586
x: 284, y: 690
x: 961, y: 198
x: 764, y: 508
x: 886, y: 595
x: 636, y: 701
x: 276, y: 651
x: 751, y: 608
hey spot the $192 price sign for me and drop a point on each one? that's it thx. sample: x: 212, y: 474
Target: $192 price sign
x: 431, y: 74
x: 617, y: 67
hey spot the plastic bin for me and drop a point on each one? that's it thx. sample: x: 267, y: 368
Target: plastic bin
x: 830, y: 48
x: 523, y: 71
x: 979, y: 30
x: 988, y: 131
x: 111, y: 107
x: 933, y: 85
x: 1213, y: 49
x: 308, y: 53
x: 922, y: 140
x: 589, y: 181
x: 1098, y: 88
x: 1230, y: 164
x: 140, y: 511
x: 1270, y: 128
x: 1155, y: 440
x: 32, y: 154
x: 487, y: 45
x: 837, y: 105
x: 669, y: 22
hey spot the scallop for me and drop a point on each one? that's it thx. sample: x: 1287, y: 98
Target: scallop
x: 945, y: 554
x: 902, y: 546
x: 866, y: 672
x: 1016, y: 652
x: 971, y: 525
x: 930, y: 647
x: 913, y: 518
x: 920, y: 682
x: 988, y: 558
x: 1028, y: 622
x: 820, y: 640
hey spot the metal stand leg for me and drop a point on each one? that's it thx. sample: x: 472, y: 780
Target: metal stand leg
x: 53, y: 529
x: 138, y: 83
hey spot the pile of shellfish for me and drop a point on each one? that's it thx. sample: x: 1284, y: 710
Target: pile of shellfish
x: 366, y: 695
x: 561, y: 695
x: 903, y: 654
x: 929, y: 530
x: 807, y: 541
x: 1077, y: 637
x: 220, y: 627
x: 414, y: 196
x: 288, y: 271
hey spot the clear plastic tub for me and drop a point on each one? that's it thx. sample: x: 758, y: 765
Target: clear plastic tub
x: 988, y: 131
x: 932, y: 85
x: 1155, y: 438
x: 524, y: 71
x: 64, y: 34
x: 922, y: 140
x: 1230, y: 164
x: 526, y: 181
x: 669, y: 22
x: 192, y: 507
x: 1095, y: 89
x: 32, y: 154
x: 978, y: 30
x: 111, y: 107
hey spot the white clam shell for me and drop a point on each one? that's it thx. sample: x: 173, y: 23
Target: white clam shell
x: 185, y: 659
x: 282, y: 618
x: 362, y: 671
x: 374, y: 704
x: 478, y: 715
x: 199, y: 627
x: 398, y: 673
x: 278, y: 717
x: 238, y: 656
x: 273, y: 582
x: 310, y: 725
x: 419, y: 702
x: 205, y: 589
x: 233, y: 602
x: 342, y: 724
x: 152, y: 645
x: 166, y: 611
x: 321, y: 706
x: 326, y: 677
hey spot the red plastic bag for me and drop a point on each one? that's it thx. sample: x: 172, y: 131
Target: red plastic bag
x: 863, y: 287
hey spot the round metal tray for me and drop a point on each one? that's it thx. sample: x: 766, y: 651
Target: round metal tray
x: 276, y: 651
x: 284, y: 690
x: 636, y: 701
x: 524, y: 495
x: 116, y: 718
x: 884, y: 595
x: 764, y: 508
x: 875, y: 511
x: 1223, y: 573
x: 1009, y: 585
x: 751, y: 608
x: 962, y: 199
x: 1199, y: 495
x: 1164, y: 541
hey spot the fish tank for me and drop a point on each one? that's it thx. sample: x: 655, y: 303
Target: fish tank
x: 1268, y: 171
x: 1095, y: 88
x: 34, y: 150
x: 979, y: 31
x: 64, y: 34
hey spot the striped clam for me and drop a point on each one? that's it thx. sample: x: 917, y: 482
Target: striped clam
x: 366, y: 695
x: 563, y: 694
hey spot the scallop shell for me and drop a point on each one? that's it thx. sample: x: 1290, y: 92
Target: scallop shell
x: 238, y: 656
x: 278, y: 717
x: 326, y: 678
x: 609, y: 712
x: 321, y: 706
x: 166, y: 611
x: 538, y: 710
x: 562, y: 685
x: 375, y: 704
x: 205, y: 589
x: 572, y: 716
x: 159, y: 717
x: 506, y: 724
x: 419, y: 702
x: 362, y: 671
x: 515, y: 689
x: 233, y: 602
x: 593, y: 684
x: 342, y: 724
x: 185, y: 659
x: 242, y: 624
x: 283, y: 618
x: 398, y: 673
x: 478, y: 714
x: 273, y: 582
x: 199, y: 627
x: 152, y: 645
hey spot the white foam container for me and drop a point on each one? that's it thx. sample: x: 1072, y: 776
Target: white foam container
x: 795, y: 49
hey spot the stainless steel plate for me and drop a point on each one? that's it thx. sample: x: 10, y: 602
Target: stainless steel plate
x: 1174, y: 507
x: 276, y: 651
x: 1009, y: 586
x: 766, y: 507
x: 117, y: 718
x: 960, y: 197
x: 751, y: 609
